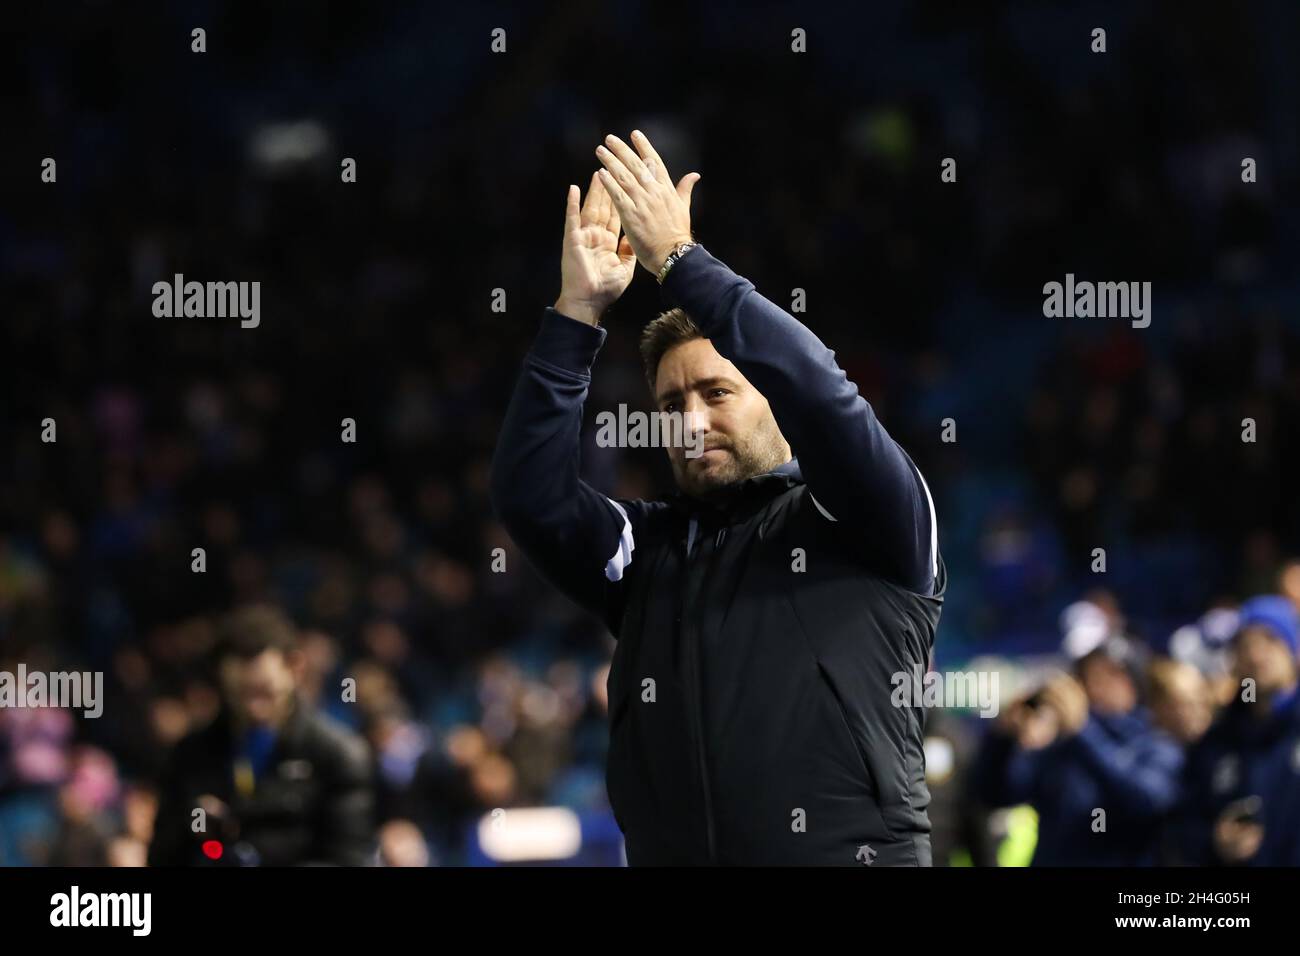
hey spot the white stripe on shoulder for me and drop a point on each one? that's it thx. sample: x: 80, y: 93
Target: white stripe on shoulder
x: 934, y: 526
x: 623, y: 555
x: 825, y: 514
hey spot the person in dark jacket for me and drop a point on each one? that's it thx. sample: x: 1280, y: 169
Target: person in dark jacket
x: 1242, y: 788
x: 764, y: 609
x: 278, y: 783
x: 1088, y: 759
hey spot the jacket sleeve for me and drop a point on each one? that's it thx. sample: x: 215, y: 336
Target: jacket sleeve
x: 1144, y: 780
x: 172, y: 843
x: 1191, y: 829
x: 346, y: 834
x: 580, y: 540
x: 858, y: 475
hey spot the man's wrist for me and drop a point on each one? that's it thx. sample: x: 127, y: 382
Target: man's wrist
x: 567, y: 343
x: 667, y: 258
x: 578, y: 311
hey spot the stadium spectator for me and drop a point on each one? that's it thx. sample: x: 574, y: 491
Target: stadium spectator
x: 280, y: 784
x: 1242, y: 789
x: 1178, y: 696
x: 1087, y: 758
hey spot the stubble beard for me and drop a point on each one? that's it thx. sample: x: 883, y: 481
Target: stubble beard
x: 756, y: 454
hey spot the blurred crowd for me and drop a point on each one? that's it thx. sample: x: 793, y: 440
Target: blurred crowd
x: 1109, y: 754
x: 480, y: 689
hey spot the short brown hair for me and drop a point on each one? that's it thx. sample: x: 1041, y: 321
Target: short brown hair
x: 248, y: 631
x: 662, y: 333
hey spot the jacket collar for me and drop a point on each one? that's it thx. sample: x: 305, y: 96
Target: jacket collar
x: 741, y: 496
x: 1284, y: 714
x: 1133, y: 723
x: 289, y: 735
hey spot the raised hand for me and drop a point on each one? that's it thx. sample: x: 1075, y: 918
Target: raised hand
x: 656, y: 214
x: 595, y: 267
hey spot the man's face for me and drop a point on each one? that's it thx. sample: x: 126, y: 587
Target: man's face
x: 726, y: 419
x: 1182, y: 706
x: 258, y: 689
x: 1108, y: 685
x: 1259, y: 654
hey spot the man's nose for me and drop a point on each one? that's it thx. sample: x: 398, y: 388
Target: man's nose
x: 695, y: 417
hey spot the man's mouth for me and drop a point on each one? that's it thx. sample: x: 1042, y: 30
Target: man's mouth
x: 713, y: 454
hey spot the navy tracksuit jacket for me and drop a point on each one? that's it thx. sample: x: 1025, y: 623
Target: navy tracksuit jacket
x: 750, y: 716
x: 1118, y: 763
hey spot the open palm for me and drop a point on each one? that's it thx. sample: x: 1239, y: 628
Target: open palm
x: 596, y: 265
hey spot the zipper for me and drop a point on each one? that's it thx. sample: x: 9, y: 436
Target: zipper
x: 693, y: 651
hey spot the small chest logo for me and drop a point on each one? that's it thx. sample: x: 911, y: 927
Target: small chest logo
x: 866, y: 855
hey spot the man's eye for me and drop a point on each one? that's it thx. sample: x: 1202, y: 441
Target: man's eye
x: 670, y: 407
x: 713, y: 393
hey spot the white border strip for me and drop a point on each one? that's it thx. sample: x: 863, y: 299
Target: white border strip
x: 623, y: 555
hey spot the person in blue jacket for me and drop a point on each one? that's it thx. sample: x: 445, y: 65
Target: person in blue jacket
x: 1241, y: 802
x: 1088, y: 759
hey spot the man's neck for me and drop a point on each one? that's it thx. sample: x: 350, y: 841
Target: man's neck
x: 276, y: 725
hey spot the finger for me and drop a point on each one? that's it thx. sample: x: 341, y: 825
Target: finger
x: 687, y: 186
x: 621, y: 201
x: 620, y: 171
x: 614, y: 222
x: 572, y: 217
x: 630, y: 159
x: 592, y: 211
x: 603, y: 213
x: 654, y: 162
x: 611, y: 211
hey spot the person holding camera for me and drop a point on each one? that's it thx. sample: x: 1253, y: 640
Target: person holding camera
x: 1083, y: 753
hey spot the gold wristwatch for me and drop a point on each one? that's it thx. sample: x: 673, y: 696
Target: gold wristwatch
x: 679, y: 250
